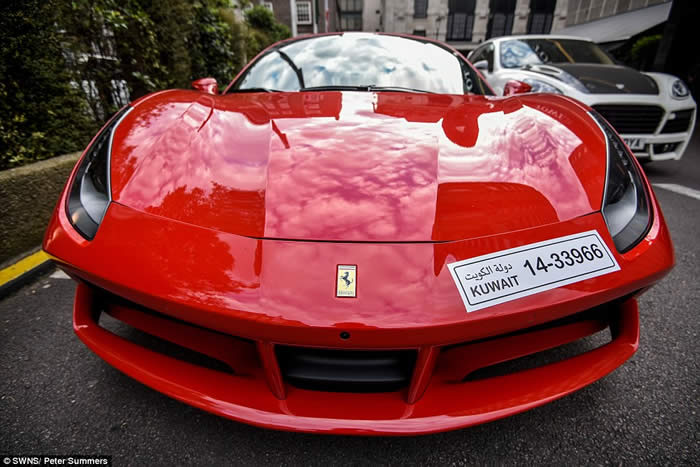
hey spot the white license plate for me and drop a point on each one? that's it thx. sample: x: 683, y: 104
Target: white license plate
x: 635, y: 144
x: 510, y: 274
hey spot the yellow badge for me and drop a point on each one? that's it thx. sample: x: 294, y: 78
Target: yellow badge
x: 346, y: 281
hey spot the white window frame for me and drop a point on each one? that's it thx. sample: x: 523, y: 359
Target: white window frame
x: 306, y: 4
x: 269, y: 6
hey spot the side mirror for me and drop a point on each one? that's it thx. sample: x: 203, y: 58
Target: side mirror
x: 513, y: 87
x: 208, y: 85
x: 482, y: 65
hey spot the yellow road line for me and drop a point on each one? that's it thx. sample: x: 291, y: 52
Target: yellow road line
x: 20, y: 267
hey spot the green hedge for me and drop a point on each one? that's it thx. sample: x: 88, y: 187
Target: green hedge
x: 41, y: 113
x: 60, y: 60
x: 28, y: 196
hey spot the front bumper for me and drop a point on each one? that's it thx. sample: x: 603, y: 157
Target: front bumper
x: 438, y: 398
x: 667, y: 139
x: 660, y: 146
x: 270, y: 293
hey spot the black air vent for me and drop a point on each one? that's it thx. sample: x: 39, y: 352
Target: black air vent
x: 632, y: 119
x: 346, y: 370
x: 680, y: 123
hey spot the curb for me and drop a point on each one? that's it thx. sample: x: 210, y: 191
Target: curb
x: 23, y: 272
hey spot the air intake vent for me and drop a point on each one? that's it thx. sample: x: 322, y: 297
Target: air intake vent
x: 680, y: 123
x: 632, y: 119
x: 346, y: 370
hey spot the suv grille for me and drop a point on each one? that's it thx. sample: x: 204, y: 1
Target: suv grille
x: 626, y: 119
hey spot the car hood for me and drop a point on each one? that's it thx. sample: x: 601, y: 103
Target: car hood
x: 359, y: 166
x: 600, y: 79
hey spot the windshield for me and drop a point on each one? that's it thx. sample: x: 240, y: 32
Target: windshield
x: 523, y: 52
x: 363, y: 61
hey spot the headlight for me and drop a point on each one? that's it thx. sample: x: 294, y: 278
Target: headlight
x: 90, y: 192
x: 541, y: 86
x: 679, y: 90
x: 625, y: 203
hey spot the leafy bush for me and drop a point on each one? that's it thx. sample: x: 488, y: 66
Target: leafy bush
x: 66, y: 66
x: 264, y: 30
x: 211, y: 44
x: 41, y: 113
x: 639, y: 53
x: 644, y: 50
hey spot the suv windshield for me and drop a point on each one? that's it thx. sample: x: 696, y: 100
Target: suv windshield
x: 356, y: 61
x: 523, y: 52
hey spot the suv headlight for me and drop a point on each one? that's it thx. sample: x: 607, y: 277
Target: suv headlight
x: 679, y: 90
x: 541, y: 86
x: 626, y: 203
x: 90, y: 191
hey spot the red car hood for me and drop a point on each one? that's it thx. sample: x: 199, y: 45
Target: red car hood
x: 356, y: 166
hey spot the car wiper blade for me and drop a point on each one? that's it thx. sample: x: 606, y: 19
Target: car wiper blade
x: 398, y: 88
x: 367, y: 88
x: 255, y: 90
x: 336, y: 87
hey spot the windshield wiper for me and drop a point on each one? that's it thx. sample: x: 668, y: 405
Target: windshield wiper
x: 336, y: 87
x: 398, y: 88
x: 255, y: 90
x: 292, y: 65
x: 366, y: 88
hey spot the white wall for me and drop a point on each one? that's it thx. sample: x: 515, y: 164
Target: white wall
x: 371, y: 20
x: 560, y: 14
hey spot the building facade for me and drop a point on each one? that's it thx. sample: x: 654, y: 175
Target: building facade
x: 466, y: 23
x: 305, y: 16
x: 585, y: 11
x: 461, y: 23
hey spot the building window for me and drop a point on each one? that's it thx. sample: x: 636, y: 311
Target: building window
x: 460, y: 20
x: 350, y: 15
x: 420, y: 8
x: 501, y: 13
x: 351, y: 6
x: 351, y: 21
x: 419, y: 32
x: 268, y: 5
x: 541, y: 16
x: 303, y: 12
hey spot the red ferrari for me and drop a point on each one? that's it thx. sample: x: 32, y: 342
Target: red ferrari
x: 358, y: 237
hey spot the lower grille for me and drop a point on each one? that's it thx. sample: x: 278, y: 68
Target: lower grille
x: 446, y: 400
x: 155, y: 344
x: 346, y: 370
x: 679, y: 124
x: 634, y: 119
x: 663, y: 148
x: 529, y: 348
x: 341, y: 370
x: 173, y: 338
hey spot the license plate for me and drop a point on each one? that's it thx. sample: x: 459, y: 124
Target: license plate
x: 634, y: 143
x: 510, y: 274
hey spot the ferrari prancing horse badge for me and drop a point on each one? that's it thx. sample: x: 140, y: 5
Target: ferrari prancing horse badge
x: 346, y: 281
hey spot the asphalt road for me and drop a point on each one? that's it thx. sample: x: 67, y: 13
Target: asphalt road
x: 57, y: 397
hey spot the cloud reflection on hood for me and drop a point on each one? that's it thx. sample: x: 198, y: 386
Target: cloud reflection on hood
x: 359, y: 166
